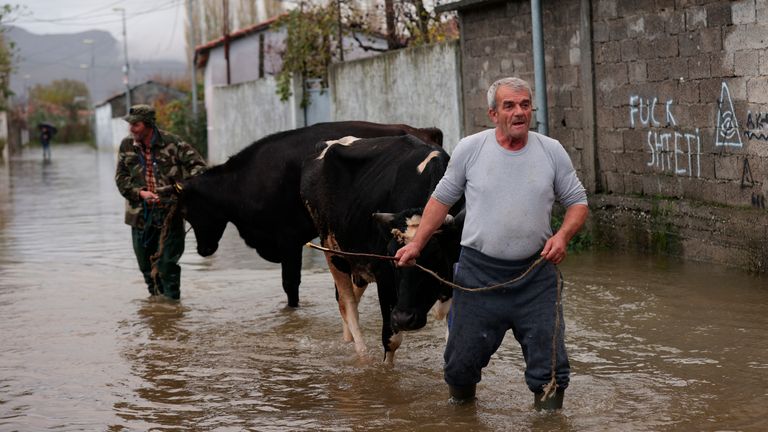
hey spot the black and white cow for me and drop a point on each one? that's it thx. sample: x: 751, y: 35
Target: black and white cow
x: 257, y: 190
x: 361, y: 194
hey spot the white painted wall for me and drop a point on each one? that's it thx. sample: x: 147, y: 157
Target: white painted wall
x: 243, y: 113
x: 419, y: 87
x: 119, y: 131
x: 4, y: 135
x: 4, y: 125
x: 103, y: 118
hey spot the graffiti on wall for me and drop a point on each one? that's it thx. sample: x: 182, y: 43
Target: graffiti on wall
x: 674, y: 150
x: 727, y: 131
x: 747, y: 181
x: 671, y: 149
x: 757, y: 126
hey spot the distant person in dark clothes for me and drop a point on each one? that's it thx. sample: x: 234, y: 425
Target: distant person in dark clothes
x: 149, y: 161
x: 510, y: 178
x: 45, y: 139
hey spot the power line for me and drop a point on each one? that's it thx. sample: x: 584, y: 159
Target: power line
x: 78, y: 22
x: 82, y: 15
x: 173, y: 31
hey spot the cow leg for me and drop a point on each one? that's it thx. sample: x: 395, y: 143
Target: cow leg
x: 358, y: 291
x: 385, y: 284
x: 347, y: 305
x: 291, y: 274
x: 344, y: 327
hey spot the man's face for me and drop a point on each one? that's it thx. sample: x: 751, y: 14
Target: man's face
x: 140, y: 131
x: 513, y: 112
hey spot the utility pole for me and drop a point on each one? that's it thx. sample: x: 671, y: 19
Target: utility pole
x: 193, y: 57
x: 125, y: 67
x: 90, y: 42
x: 341, y: 33
x: 226, y: 39
x: 539, y: 69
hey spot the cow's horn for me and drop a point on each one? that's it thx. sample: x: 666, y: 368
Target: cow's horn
x: 177, y: 187
x: 384, y: 218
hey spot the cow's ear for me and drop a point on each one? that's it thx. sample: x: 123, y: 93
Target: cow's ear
x: 384, y: 219
x: 448, y: 221
x: 448, y: 224
x: 458, y: 220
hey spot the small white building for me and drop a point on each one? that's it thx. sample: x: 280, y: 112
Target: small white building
x: 240, y: 91
x: 110, y: 128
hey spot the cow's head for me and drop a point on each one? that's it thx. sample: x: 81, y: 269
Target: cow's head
x: 199, y: 209
x: 417, y: 291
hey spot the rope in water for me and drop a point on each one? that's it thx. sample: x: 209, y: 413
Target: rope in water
x: 551, y: 386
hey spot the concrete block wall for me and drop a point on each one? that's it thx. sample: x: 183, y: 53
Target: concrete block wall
x: 417, y: 86
x: 243, y: 113
x: 661, y: 105
x: 496, y: 42
x: 681, y: 94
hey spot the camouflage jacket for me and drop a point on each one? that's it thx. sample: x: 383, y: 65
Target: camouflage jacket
x: 174, y: 160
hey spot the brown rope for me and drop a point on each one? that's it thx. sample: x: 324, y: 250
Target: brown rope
x: 551, y: 386
x: 161, y: 243
x: 428, y: 271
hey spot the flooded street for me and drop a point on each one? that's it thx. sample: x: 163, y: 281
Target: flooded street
x: 655, y: 344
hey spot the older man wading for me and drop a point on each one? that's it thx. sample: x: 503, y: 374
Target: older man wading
x: 148, y: 163
x: 511, y: 178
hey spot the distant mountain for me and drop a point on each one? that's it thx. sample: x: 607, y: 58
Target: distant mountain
x: 45, y: 58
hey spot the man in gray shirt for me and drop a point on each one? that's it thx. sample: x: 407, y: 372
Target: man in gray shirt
x: 510, y: 178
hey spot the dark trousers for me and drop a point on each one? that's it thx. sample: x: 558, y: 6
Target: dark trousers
x: 479, y: 320
x: 145, y: 243
x: 46, y: 149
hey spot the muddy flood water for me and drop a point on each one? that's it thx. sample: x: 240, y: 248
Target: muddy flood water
x: 655, y: 344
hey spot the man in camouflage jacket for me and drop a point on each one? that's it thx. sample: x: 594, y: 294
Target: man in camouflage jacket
x: 149, y: 162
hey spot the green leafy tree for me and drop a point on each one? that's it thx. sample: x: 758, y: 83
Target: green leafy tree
x: 64, y: 104
x: 176, y: 117
x: 7, y: 55
x: 308, y: 45
x: 314, y: 33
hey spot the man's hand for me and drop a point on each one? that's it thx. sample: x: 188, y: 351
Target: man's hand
x: 406, y: 255
x: 149, y: 197
x: 555, y: 249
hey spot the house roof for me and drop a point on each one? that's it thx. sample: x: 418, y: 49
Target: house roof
x: 145, y: 83
x: 202, y: 51
x: 464, y: 4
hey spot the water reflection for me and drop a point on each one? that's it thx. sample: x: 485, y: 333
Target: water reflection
x: 157, y: 357
x: 655, y: 344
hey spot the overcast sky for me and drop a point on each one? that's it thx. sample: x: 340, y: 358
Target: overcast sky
x: 155, y: 28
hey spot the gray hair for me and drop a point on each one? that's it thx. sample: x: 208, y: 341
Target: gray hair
x: 512, y: 83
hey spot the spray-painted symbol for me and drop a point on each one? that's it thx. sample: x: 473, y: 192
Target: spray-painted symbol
x: 727, y: 132
x: 746, y: 175
x: 757, y: 126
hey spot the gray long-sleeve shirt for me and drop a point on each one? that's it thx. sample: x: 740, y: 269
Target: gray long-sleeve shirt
x: 509, y: 194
